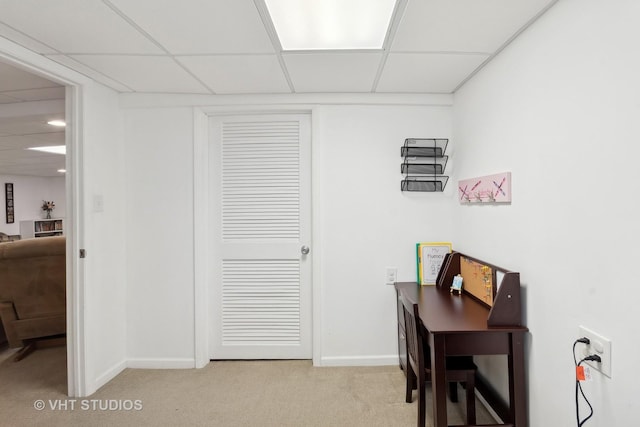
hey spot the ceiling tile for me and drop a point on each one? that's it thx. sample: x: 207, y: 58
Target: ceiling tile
x: 463, y: 25
x: 90, y: 72
x: 24, y: 40
x: 37, y: 94
x: 332, y: 72
x: 22, y: 142
x: 24, y: 128
x: 24, y: 162
x: 28, y: 125
x: 48, y: 138
x: 12, y: 78
x: 76, y: 26
x: 144, y: 73
x: 26, y: 157
x: 36, y: 118
x: 13, y: 143
x: 200, y: 26
x: 7, y: 99
x: 426, y: 73
x: 238, y: 73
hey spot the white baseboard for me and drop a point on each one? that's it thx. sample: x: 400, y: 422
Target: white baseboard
x: 359, y: 360
x: 161, y: 363
x: 106, y: 377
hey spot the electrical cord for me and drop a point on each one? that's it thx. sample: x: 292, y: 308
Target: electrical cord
x: 579, y: 340
x: 592, y: 357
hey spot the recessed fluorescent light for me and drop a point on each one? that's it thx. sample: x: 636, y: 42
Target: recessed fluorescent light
x: 59, y: 123
x: 56, y: 149
x: 62, y: 170
x: 331, y: 24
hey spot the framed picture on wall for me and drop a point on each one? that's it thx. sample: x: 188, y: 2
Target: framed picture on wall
x: 8, y: 198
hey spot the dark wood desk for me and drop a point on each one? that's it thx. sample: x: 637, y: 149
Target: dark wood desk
x: 457, y: 326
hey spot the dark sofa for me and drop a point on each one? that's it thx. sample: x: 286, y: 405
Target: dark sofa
x: 32, y: 290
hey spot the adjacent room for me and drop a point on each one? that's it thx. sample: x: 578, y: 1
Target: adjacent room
x: 234, y: 193
x: 32, y: 168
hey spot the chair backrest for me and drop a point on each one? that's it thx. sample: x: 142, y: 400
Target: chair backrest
x: 414, y: 342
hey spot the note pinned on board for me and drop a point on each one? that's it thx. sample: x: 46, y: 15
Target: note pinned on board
x: 430, y: 258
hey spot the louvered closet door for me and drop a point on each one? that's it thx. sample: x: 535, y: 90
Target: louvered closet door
x: 260, y: 219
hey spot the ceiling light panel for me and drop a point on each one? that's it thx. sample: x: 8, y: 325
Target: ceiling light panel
x: 331, y: 24
x: 55, y: 149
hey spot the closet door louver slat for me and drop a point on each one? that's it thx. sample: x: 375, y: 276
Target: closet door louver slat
x: 260, y: 192
x: 260, y: 181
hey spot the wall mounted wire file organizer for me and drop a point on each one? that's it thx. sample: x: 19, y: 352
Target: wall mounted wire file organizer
x: 423, y: 164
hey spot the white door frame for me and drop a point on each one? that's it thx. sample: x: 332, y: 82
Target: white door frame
x: 201, y: 230
x: 34, y: 63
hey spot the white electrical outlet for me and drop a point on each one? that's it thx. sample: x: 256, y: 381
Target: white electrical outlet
x: 597, y: 345
x: 391, y: 276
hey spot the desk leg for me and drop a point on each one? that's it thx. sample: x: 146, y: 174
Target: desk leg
x: 438, y: 380
x: 517, y: 388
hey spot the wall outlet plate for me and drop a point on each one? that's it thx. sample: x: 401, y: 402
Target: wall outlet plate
x: 598, y: 345
x: 391, y: 275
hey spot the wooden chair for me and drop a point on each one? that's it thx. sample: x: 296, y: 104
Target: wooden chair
x: 459, y: 369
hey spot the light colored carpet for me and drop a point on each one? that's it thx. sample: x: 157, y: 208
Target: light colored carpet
x: 230, y: 393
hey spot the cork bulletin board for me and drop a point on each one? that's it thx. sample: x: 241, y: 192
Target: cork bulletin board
x: 478, y: 280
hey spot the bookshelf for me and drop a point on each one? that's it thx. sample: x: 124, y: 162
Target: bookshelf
x: 41, y: 228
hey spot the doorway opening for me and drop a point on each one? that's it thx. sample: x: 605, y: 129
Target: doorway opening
x: 42, y: 184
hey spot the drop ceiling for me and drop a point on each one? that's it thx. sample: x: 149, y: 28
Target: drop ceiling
x: 27, y: 103
x: 230, y: 47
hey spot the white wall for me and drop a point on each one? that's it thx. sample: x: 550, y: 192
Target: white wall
x: 28, y: 194
x: 159, y: 197
x: 366, y: 223
x: 364, y: 220
x: 559, y: 108
x: 105, y: 236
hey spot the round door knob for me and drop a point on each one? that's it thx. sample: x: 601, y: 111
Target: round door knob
x: 304, y: 250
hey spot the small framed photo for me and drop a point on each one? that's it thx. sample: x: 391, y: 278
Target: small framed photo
x: 456, y: 286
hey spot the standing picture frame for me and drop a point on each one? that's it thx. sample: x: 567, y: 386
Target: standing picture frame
x: 430, y: 257
x: 9, y: 202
